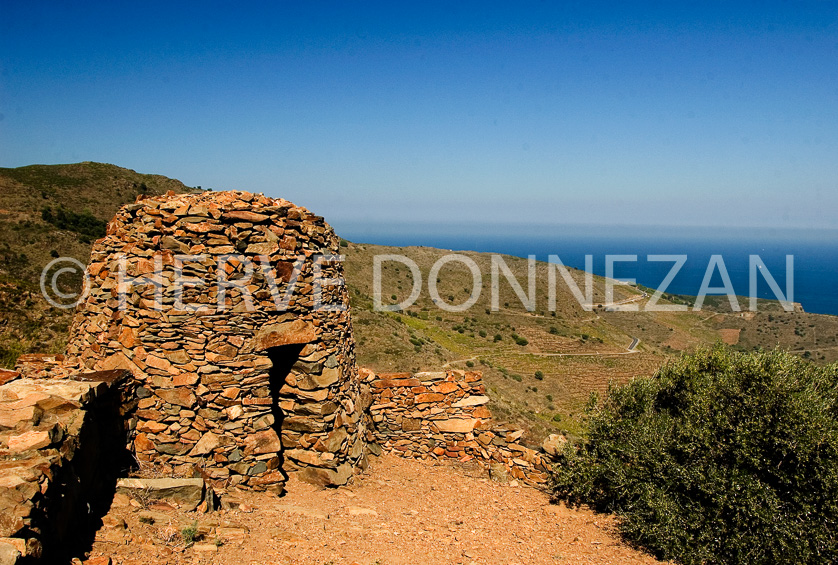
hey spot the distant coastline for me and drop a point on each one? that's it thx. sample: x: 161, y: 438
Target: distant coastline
x: 815, y: 252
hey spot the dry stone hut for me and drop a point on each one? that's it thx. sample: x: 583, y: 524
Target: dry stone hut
x: 229, y: 310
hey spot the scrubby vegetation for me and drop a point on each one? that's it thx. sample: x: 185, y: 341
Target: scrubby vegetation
x: 720, y: 457
x: 85, y: 223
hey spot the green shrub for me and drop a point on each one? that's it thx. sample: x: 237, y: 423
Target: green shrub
x: 522, y: 341
x: 469, y: 364
x: 720, y: 457
x: 539, y: 376
x: 498, y: 337
x: 518, y: 378
x: 189, y: 533
x: 85, y: 224
x: 9, y: 354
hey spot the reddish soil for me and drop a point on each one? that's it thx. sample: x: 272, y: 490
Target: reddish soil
x: 730, y: 336
x: 398, y: 512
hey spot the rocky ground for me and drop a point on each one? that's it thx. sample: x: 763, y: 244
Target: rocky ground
x: 398, y: 512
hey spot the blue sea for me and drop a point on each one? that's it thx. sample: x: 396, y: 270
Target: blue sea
x: 815, y: 253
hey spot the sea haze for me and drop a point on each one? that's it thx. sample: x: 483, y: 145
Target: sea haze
x: 815, y: 252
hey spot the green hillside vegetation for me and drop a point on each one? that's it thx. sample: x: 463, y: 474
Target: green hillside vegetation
x: 85, y: 224
x: 544, y: 384
x: 49, y: 211
x: 540, y: 366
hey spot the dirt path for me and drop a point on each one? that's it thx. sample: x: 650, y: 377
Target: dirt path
x: 446, y: 365
x: 629, y: 350
x: 399, y: 512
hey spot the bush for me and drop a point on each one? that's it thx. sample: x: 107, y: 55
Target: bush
x: 539, y: 375
x: 720, y: 457
x: 189, y: 533
x: 498, y: 337
x: 469, y: 364
x: 9, y: 354
x: 85, y: 224
x: 522, y: 341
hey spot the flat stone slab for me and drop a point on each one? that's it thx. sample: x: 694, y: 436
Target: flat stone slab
x: 7, y: 376
x: 471, y: 401
x: 188, y: 493
x: 360, y: 511
x: 9, y: 554
x: 455, y: 425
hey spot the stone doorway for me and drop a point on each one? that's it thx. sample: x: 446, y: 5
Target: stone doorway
x: 283, y: 359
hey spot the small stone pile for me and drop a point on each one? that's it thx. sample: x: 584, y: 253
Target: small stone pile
x: 59, y: 447
x: 229, y: 309
x: 41, y: 365
x: 444, y: 414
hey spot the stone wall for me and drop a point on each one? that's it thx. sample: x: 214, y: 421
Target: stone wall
x: 60, y: 448
x: 211, y: 302
x: 444, y: 415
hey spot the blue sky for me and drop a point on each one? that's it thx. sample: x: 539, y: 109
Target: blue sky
x: 675, y: 113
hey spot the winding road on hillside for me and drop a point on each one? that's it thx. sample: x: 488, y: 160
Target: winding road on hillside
x: 632, y: 348
x: 629, y: 350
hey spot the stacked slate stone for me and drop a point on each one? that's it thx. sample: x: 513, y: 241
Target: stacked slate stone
x: 41, y: 365
x: 59, y: 450
x: 444, y: 414
x: 249, y: 370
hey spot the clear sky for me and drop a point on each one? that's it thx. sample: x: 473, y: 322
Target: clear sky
x: 681, y: 113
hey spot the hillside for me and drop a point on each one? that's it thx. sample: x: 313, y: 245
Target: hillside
x: 540, y: 366
x: 49, y: 211
x: 34, y: 198
x: 569, y: 353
